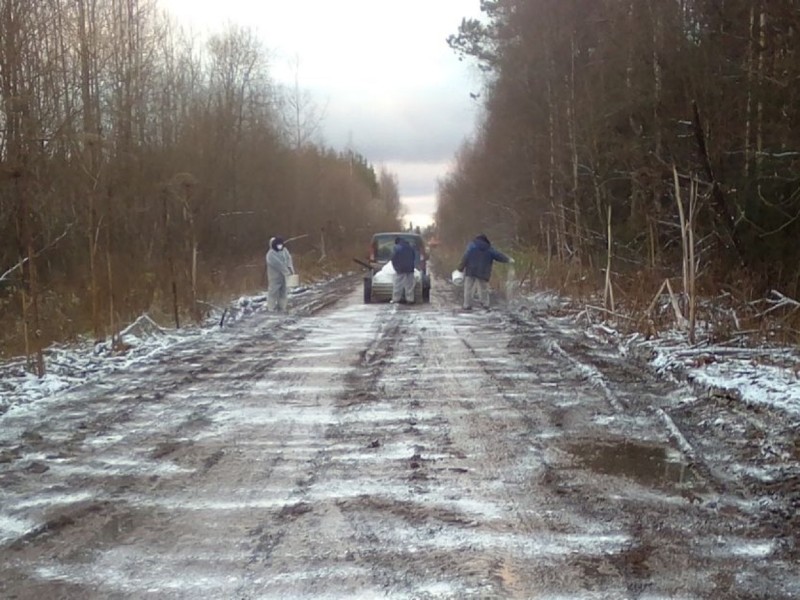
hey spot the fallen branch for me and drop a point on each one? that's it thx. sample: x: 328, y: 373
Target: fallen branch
x: 209, y: 304
x: 673, y: 301
x: 735, y: 352
x: 656, y: 298
x: 24, y: 260
x: 5, y: 275
x: 608, y: 292
x: 143, y: 321
x: 610, y: 312
x: 778, y: 301
x: 675, y: 306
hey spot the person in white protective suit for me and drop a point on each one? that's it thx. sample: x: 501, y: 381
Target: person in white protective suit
x: 279, y: 267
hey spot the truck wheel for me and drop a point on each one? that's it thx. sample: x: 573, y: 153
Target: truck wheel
x: 367, y: 290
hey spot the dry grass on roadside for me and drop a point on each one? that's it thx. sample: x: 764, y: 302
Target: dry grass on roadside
x: 725, y: 313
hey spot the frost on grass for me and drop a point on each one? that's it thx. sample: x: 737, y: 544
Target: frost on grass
x: 70, y: 365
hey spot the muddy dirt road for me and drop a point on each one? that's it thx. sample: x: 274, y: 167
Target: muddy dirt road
x: 380, y: 451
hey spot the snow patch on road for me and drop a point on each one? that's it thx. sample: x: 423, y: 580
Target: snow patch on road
x: 543, y: 545
x: 118, y: 467
x: 739, y: 547
x: 12, y: 528
x: 49, y: 500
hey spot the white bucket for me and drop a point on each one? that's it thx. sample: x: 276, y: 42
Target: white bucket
x: 293, y: 281
x: 457, y: 277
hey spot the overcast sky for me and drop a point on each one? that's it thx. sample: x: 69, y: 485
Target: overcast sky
x: 381, y: 71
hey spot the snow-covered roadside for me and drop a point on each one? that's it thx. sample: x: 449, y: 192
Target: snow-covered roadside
x: 758, y: 375
x: 70, y: 365
x: 755, y: 375
x: 768, y: 376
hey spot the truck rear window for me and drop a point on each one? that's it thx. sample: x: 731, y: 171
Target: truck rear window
x: 383, y: 245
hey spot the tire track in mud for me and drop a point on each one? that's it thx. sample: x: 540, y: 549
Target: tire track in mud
x: 629, y: 388
x: 400, y: 507
x: 284, y: 513
x: 385, y: 452
x: 439, y: 519
x: 328, y: 495
x: 632, y: 392
x: 546, y: 413
x: 714, y: 502
x: 187, y: 362
x: 370, y: 360
x: 107, y: 419
x: 324, y: 497
x: 309, y: 513
x: 486, y: 571
x: 746, y: 454
x: 110, y: 424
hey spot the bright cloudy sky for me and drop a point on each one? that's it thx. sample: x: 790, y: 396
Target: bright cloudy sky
x: 380, y: 70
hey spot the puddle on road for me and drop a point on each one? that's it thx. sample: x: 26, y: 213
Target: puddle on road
x: 646, y: 464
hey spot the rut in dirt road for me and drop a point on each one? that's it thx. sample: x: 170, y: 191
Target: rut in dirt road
x: 373, y: 451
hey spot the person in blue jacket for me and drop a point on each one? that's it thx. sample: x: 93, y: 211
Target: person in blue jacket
x: 403, y: 258
x: 477, y: 267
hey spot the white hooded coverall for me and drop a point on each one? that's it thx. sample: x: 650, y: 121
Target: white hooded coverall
x: 279, y: 265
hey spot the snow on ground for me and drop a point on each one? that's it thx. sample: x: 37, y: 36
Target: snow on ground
x: 69, y: 365
x: 755, y: 375
x: 753, y: 379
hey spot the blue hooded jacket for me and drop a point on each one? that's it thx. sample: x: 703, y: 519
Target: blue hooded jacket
x: 403, y: 256
x: 478, y: 258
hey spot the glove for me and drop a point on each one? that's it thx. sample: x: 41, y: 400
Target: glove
x: 511, y: 261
